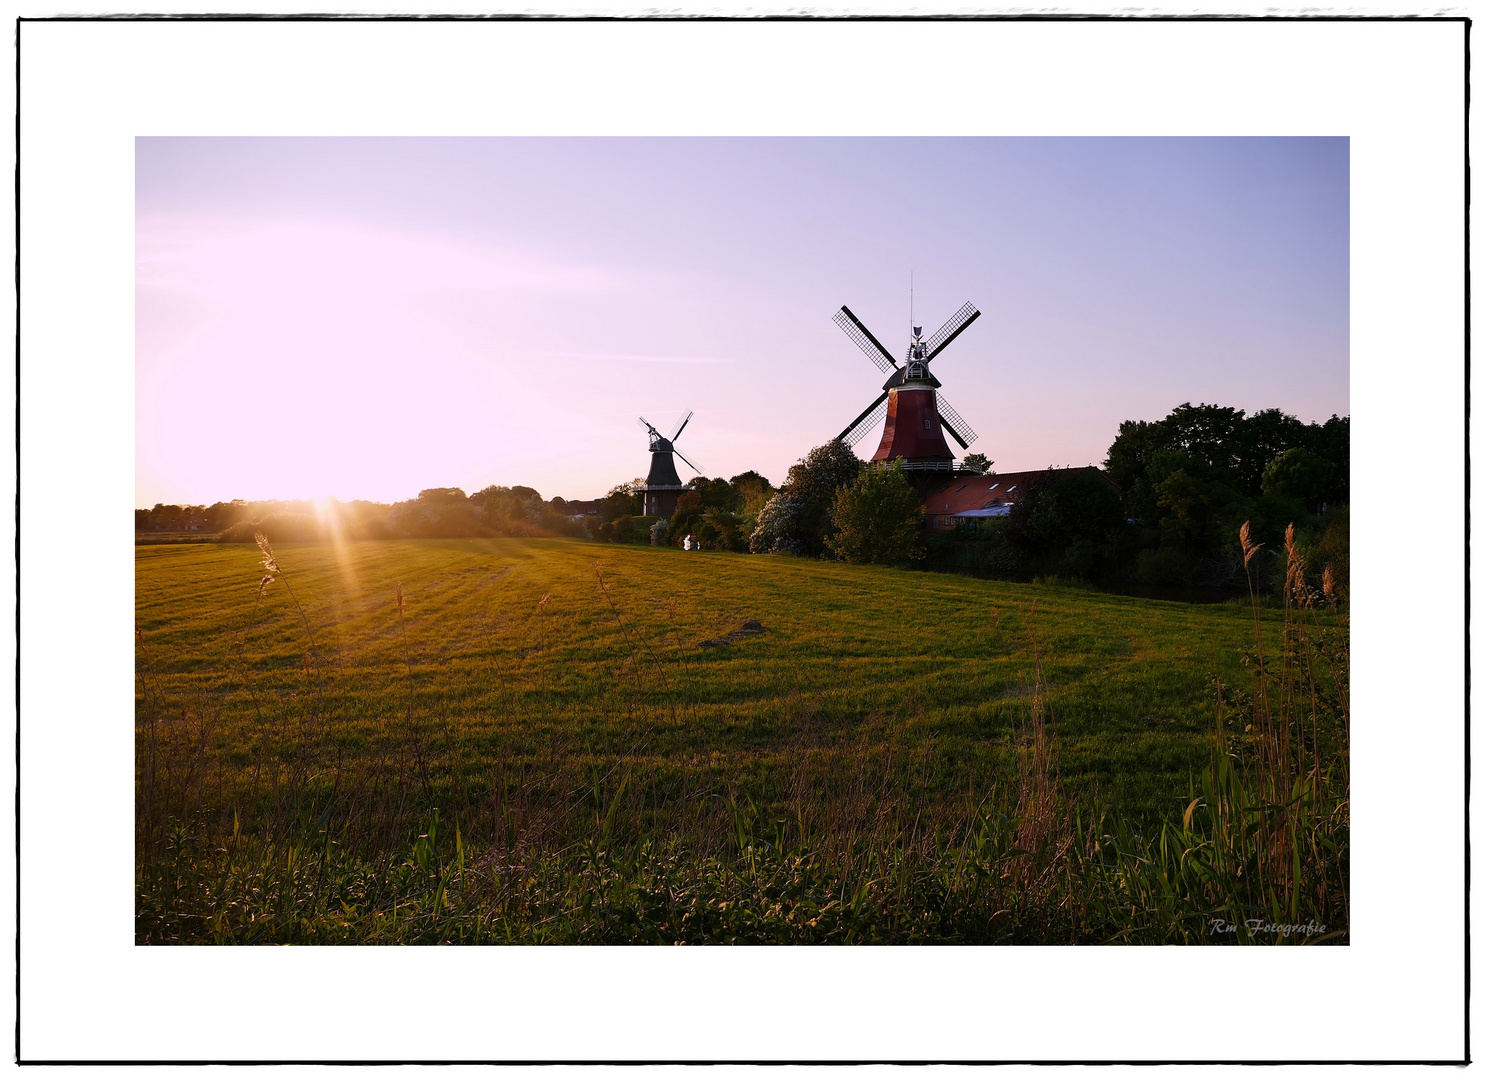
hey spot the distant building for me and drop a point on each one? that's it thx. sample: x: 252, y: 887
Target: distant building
x: 968, y: 502
x: 584, y: 510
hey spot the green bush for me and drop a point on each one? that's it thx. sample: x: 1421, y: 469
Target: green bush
x: 1334, y: 550
x: 1165, y: 565
x: 877, y: 518
x: 628, y: 529
x: 797, y: 518
x: 985, y: 554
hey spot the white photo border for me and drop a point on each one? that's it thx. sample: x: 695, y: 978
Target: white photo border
x: 1396, y: 89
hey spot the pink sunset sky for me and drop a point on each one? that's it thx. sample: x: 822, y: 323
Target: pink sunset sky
x: 367, y: 317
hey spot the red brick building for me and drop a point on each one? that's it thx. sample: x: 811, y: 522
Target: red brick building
x: 968, y: 502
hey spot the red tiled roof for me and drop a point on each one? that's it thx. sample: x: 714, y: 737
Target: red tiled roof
x: 978, y: 492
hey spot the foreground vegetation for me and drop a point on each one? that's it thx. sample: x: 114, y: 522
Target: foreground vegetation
x: 546, y: 740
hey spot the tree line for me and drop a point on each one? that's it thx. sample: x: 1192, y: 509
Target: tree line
x: 718, y: 514
x: 1182, y: 486
x: 436, y: 513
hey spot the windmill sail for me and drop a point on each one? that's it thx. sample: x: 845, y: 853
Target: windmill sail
x: 864, y: 339
x: 962, y: 432
x: 950, y: 330
x: 865, y: 422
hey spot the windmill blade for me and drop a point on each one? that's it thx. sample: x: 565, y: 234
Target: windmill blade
x: 682, y: 428
x: 950, y: 420
x: 864, y: 339
x: 949, y: 331
x: 865, y: 422
x: 684, y: 458
x: 651, y: 426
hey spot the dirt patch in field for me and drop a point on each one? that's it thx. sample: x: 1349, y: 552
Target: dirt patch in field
x: 749, y: 628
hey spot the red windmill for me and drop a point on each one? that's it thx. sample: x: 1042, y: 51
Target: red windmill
x: 917, y: 414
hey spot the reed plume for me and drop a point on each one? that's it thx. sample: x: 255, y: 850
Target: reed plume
x: 269, y: 562
x: 1250, y: 547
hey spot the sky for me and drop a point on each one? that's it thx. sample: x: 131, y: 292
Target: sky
x: 362, y: 318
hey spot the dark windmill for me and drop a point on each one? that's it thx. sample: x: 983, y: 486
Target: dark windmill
x: 662, y: 486
x: 917, y: 414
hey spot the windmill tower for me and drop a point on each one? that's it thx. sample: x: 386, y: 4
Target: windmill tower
x: 917, y: 414
x: 662, y: 485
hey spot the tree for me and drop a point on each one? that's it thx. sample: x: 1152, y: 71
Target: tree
x: 1219, y: 445
x: 722, y: 531
x: 439, y: 512
x: 797, y: 518
x: 979, y: 461
x: 1130, y: 454
x: 622, y: 500
x: 1204, y: 440
x: 1202, y: 470
x: 716, y: 494
x: 1072, y: 522
x: 499, y: 503
x: 1333, y: 442
x: 223, y: 515
x: 684, y: 521
x: 442, y: 495
x: 1210, y: 434
x: 753, y: 491
x: 877, y: 518
x: 1298, y: 474
x: 1261, y: 438
x: 1200, y: 515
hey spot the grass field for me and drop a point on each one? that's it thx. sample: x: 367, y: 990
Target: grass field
x: 538, y: 692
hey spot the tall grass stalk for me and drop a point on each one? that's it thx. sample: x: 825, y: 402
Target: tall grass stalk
x: 1261, y: 853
